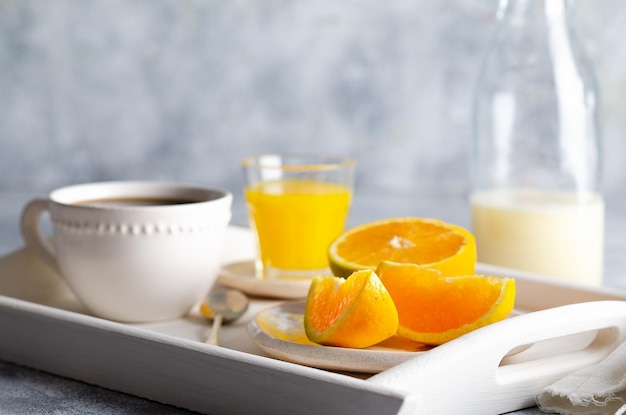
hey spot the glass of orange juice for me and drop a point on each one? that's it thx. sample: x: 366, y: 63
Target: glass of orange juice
x: 297, y: 205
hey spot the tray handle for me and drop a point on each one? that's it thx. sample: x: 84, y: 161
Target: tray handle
x: 474, y: 375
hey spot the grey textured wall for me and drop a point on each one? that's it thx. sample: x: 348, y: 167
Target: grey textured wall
x: 183, y: 89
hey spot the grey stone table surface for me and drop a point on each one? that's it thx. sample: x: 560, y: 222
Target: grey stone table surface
x: 29, y: 391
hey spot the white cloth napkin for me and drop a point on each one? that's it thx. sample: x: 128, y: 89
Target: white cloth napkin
x: 598, y: 389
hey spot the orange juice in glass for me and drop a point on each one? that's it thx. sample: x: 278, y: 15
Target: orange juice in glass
x: 297, y: 205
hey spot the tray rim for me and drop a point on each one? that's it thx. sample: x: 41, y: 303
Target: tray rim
x: 57, y: 325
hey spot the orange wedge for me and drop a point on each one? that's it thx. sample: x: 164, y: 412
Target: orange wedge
x: 356, y: 312
x: 428, y: 242
x: 434, y: 309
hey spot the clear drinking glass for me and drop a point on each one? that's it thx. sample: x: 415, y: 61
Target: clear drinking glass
x: 297, y: 205
x: 536, y: 199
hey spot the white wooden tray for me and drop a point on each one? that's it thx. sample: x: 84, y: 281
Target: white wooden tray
x: 44, y: 327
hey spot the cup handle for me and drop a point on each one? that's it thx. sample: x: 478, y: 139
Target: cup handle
x: 31, y: 231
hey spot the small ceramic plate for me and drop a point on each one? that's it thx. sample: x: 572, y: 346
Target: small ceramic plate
x: 279, y: 331
x: 241, y: 275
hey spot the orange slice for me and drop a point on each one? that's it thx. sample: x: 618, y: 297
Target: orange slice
x: 434, y: 309
x: 428, y: 242
x: 356, y: 312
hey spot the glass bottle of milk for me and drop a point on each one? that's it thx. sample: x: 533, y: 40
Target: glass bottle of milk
x: 536, y: 164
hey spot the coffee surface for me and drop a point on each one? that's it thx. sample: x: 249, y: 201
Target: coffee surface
x: 135, y: 201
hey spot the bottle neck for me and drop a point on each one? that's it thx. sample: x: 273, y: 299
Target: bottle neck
x: 527, y: 11
x: 535, y: 108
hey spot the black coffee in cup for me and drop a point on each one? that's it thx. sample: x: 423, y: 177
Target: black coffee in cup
x: 134, y: 201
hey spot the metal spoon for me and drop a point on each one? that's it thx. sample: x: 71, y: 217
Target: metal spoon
x: 223, y: 305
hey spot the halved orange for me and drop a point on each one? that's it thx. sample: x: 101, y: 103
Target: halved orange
x: 428, y: 242
x: 434, y: 309
x: 356, y: 312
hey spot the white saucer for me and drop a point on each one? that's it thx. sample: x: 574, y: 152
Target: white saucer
x: 279, y: 331
x: 241, y: 275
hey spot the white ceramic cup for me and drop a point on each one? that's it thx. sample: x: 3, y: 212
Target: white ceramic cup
x: 133, y: 251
